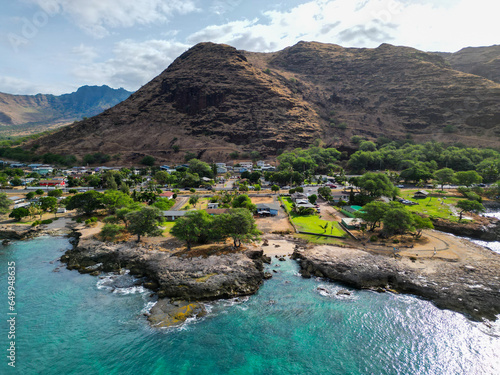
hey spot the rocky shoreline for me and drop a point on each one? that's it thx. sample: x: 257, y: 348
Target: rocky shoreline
x: 180, y: 278
x: 469, y: 286
x: 482, y: 228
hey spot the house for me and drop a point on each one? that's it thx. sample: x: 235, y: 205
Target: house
x: 338, y: 196
x: 167, y: 194
x: 305, y: 205
x: 220, y: 165
x: 421, y: 194
x: 352, y: 223
x: 43, y: 170
x: 298, y: 196
x: 247, y: 165
x: 221, y: 170
x: 211, y: 206
x: 16, y: 200
x: 173, y: 215
x: 217, y: 211
x: 267, y: 209
x: 54, y: 182
x: 261, y: 163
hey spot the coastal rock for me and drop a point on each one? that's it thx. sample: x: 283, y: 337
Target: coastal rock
x: 482, y: 228
x: 469, y: 285
x: 182, y: 278
x: 167, y: 313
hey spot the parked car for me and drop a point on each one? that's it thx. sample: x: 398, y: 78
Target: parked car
x: 401, y: 186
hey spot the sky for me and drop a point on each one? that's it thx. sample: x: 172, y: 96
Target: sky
x: 56, y: 46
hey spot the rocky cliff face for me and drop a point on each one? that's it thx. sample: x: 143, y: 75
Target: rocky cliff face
x: 214, y: 99
x: 34, y: 113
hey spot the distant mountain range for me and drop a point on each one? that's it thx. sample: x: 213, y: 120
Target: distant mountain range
x: 24, y: 114
x: 213, y: 100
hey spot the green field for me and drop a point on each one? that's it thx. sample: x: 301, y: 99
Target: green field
x: 432, y: 206
x: 201, y: 205
x: 168, y: 225
x: 312, y: 223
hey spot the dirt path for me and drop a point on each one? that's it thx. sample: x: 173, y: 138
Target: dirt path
x: 180, y: 202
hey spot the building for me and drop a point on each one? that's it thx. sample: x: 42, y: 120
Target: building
x: 54, y: 182
x: 267, y: 209
x: 298, y: 196
x: 167, y: 194
x: 352, y: 223
x: 16, y: 200
x: 421, y: 194
x: 173, y: 215
x: 211, y: 206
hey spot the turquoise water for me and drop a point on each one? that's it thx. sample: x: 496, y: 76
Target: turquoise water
x: 69, y: 323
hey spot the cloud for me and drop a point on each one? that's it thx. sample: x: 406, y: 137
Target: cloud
x: 444, y: 25
x: 133, y: 63
x: 16, y: 86
x: 96, y: 17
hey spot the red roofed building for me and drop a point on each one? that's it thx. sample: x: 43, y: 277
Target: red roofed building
x: 167, y: 194
x: 52, y: 183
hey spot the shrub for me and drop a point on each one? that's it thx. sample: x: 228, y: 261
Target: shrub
x: 35, y: 223
x: 109, y: 232
x: 373, y: 238
x: 72, y: 191
x: 192, y: 190
x: 48, y: 221
x: 395, y: 240
x: 79, y: 220
x: 148, y: 160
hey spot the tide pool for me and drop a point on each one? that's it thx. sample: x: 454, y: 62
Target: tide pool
x: 68, y: 323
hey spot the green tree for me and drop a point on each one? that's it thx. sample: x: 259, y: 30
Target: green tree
x: 376, y: 185
x: 200, y: 168
x: 238, y: 224
x: 164, y: 204
x: 420, y: 223
x: 243, y: 201
x: 114, y: 200
x: 122, y: 213
x: 313, y: 198
x: 194, y: 227
x: 109, y: 231
x: 444, y: 176
x: 469, y: 206
x: 398, y: 221
x: 193, y: 199
x: 4, y: 203
x: 144, y: 222
x: 19, y: 213
x: 275, y: 188
x: 373, y: 213
x: 48, y: 204
x: 55, y: 193
x: 30, y: 195
x: 162, y: 177
x: 87, y: 202
x: 468, y: 178
x: 39, y: 192
x: 148, y: 160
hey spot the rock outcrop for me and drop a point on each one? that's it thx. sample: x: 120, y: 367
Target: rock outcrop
x: 175, y: 276
x: 481, y: 228
x: 470, y: 287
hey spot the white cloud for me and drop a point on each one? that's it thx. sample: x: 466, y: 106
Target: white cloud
x: 97, y: 16
x: 133, y: 63
x: 425, y: 24
x: 16, y: 86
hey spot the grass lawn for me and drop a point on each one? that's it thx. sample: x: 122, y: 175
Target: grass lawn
x: 312, y: 223
x: 319, y: 240
x: 432, y: 206
x: 201, y: 205
x: 168, y: 225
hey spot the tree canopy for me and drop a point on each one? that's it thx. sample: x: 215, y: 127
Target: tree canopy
x: 144, y: 222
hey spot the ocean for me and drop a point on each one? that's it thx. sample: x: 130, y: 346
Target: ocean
x: 68, y: 323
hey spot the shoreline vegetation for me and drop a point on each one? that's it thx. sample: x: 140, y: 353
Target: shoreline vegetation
x: 452, y: 273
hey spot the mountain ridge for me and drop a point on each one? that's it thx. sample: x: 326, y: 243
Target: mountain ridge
x: 214, y: 99
x: 34, y: 113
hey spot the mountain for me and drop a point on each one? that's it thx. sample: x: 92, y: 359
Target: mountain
x: 33, y: 113
x: 214, y: 99
x: 481, y: 61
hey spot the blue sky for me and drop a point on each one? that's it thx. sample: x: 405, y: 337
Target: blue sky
x: 55, y: 46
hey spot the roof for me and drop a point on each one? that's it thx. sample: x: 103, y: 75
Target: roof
x: 174, y: 213
x: 423, y: 192
x: 166, y: 194
x: 267, y: 206
x: 306, y: 205
x: 15, y: 198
